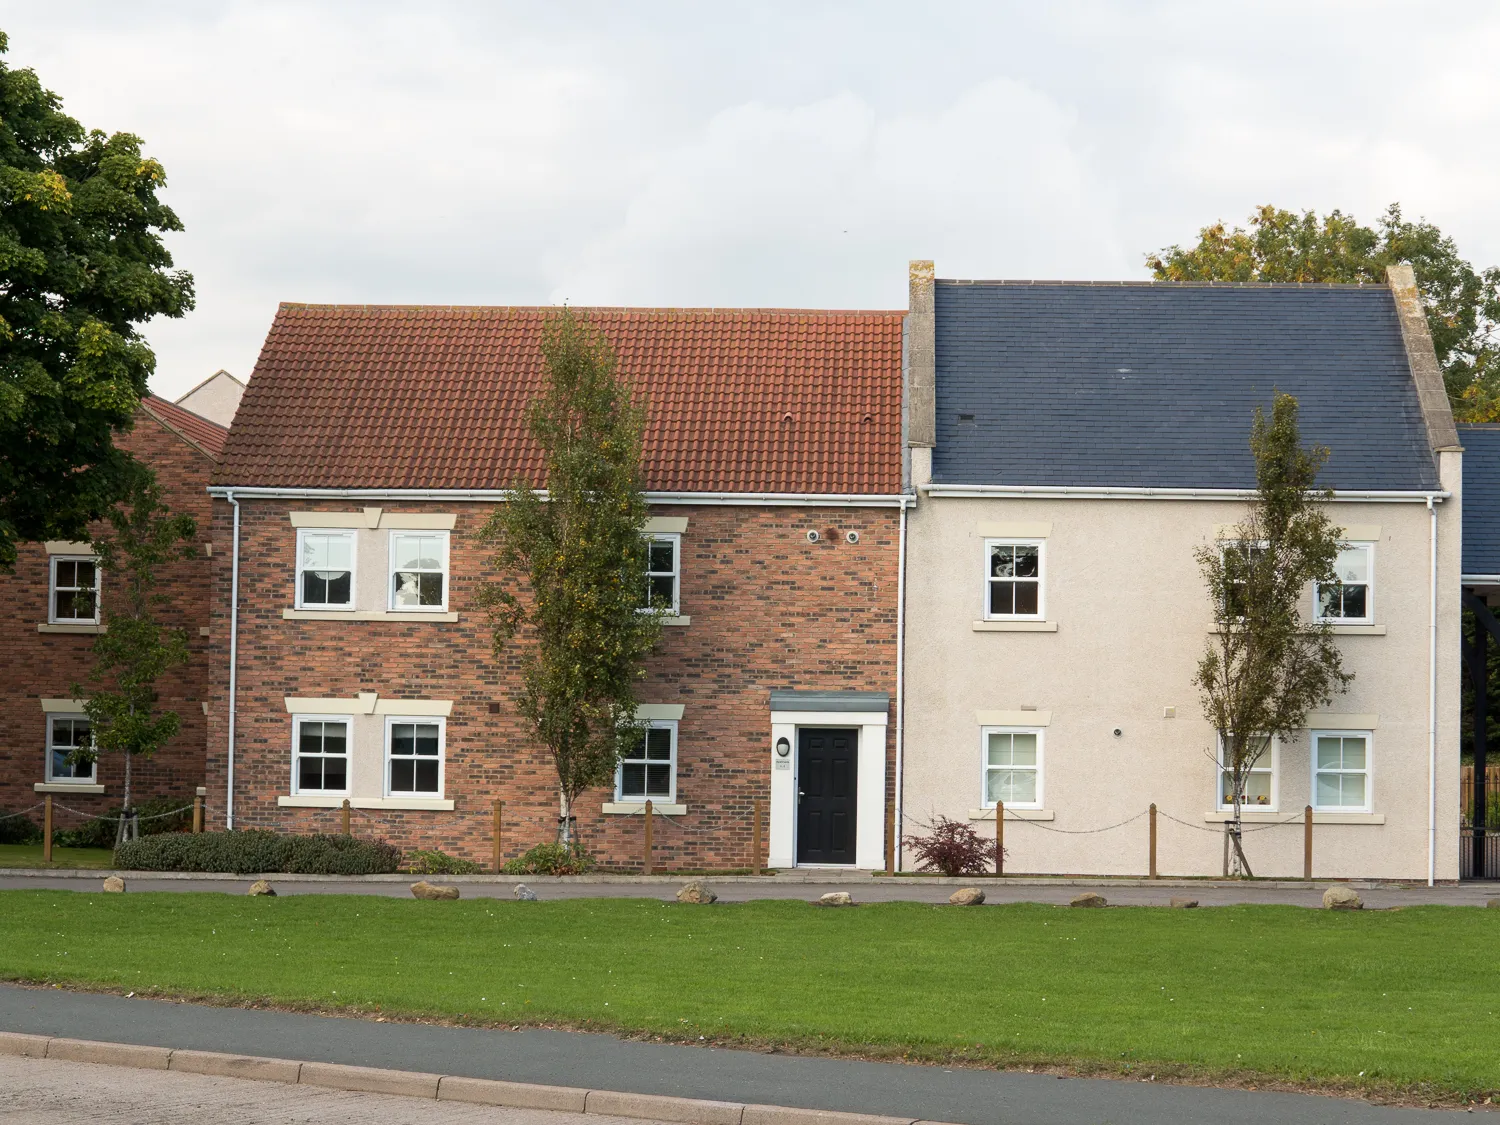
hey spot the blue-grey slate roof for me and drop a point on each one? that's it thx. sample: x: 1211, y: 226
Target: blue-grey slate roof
x: 1481, y: 553
x: 1155, y: 385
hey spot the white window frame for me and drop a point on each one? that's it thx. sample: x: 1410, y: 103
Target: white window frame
x: 52, y: 618
x: 1226, y: 545
x: 332, y: 607
x: 442, y: 755
x: 1274, y: 753
x: 348, y: 721
x: 984, y: 761
x: 390, y: 581
x: 1369, y: 617
x: 675, y: 539
x: 671, y: 797
x: 1041, y: 579
x: 1368, y: 771
x: 52, y: 779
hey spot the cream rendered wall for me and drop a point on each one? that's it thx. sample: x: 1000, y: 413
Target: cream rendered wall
x: 1132, y: 620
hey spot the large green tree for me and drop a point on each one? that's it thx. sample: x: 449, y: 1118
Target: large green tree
x: 1462, y: 303
x: 571, y: 563
x: 82, y: 267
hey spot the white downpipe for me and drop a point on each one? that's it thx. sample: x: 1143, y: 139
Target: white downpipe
x: 1432, y: 686
x: 900, y: 679
x: 234, y: 648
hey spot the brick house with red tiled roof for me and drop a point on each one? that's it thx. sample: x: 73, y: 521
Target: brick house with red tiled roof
x: 371, y: 444
x: 49, y: 614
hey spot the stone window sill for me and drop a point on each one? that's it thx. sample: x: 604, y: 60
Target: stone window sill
x: 1013, y: 814
x: 410, y: 804
x: 67, y: 787
x: 683, y: 620
x: 86, y: 630
x: 363, y: 615
x: 1357, y: 630
x: 1015, y: 626
x: 1262, y: 816
x: 638, y: 808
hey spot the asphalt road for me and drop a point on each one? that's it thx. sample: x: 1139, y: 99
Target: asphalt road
x: 905, y: 890
x: 602, y: 1062
x: 53, y: 1092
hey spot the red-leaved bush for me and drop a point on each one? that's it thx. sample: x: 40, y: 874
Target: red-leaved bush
x: 953, y: 848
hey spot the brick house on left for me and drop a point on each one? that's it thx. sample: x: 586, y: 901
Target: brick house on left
x: 50, y: 611
x: 351, y: 662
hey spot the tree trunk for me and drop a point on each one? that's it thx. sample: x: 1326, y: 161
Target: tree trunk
x: 564, y: 833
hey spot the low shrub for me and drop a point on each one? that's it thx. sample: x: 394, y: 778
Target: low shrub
x: 953, y: 848
x: 437, y: 862
x: 259, y: 852
x: 102, y: 831
x: 18, y: 829
x: 552, y: 859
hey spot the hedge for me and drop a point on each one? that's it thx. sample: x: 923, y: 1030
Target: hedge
x: 102, y: 831
x: 258, y: 852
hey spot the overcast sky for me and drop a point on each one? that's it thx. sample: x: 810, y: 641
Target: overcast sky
x: 755, y: 154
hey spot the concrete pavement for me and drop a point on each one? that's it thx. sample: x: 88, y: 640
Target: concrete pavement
x: 975, y: 1097
x: 1136, y: 892
x: 73, y: 1093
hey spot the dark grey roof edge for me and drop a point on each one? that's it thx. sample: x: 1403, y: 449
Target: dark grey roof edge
x: 786, y: 700
x: 1022, y: 282
x: 1421, y: 356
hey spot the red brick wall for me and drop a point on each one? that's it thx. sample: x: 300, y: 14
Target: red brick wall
x: 769, y: 610
x: 37, y: 665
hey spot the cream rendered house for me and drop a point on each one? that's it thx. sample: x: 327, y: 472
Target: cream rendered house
x: 1071, y: 446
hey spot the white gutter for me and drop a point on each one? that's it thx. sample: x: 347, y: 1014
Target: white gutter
x: 234, y: 645
x: 900, y: 681
x: 1479, y: 579
x: 1090, y: 492
x: 1432, y: 687
x: 774, y: 499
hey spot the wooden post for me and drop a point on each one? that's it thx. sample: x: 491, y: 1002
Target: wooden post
x: 646, y: 866
x: 755, y: 864
x: 47, y: 830
x: 1153, y: 839
x: 890, y: 837
x: 197, y: 814
x: 344, y: 816
x: 1307, y: 842
x: 999, y: 837
x: 495, y: 840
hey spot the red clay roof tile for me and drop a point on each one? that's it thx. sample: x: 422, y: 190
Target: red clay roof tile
x: 207, y: 436
x: 738, y: 400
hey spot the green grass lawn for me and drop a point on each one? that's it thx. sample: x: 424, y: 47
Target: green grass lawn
x: 1381, y: 1001
x: 30, y: 855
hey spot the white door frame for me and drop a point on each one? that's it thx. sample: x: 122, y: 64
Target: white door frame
x: 869, y: 804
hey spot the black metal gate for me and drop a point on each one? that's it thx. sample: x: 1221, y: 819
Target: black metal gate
x: 1487, y: 851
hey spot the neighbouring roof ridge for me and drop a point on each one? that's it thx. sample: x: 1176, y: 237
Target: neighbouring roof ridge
x: 1170, y: 284
x: 649, y: 309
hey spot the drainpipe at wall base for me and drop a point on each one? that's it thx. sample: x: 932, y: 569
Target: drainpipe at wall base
x: 234, y: 646
x: 1432, y: 684
x: 900, y: 680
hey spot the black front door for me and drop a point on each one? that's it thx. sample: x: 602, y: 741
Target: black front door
x: 826, y: 772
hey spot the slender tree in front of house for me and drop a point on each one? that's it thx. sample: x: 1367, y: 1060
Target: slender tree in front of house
x: 136, y: 648
x: 1266, y: 665
x: 571, y: 564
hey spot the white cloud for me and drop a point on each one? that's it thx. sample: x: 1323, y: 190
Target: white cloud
x: 824, y: 203
x: 792, y: 152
